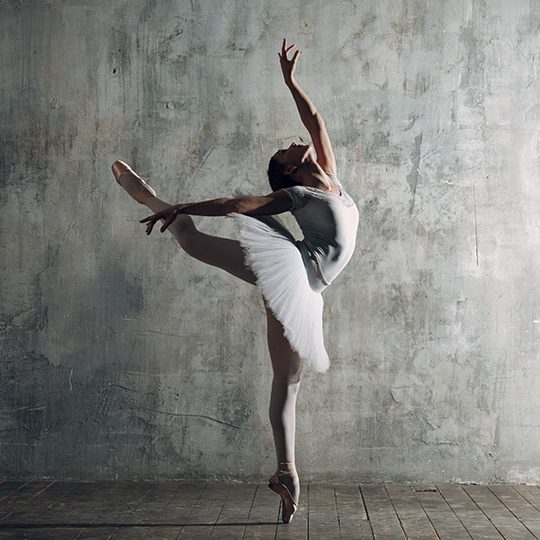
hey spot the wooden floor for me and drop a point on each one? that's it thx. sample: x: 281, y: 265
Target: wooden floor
x: 52, y: 509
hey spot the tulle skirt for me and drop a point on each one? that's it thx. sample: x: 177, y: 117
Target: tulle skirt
x: 286, y: 277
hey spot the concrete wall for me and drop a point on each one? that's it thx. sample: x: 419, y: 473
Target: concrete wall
x: 124, y: 358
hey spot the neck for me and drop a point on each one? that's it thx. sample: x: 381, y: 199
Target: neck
x: 311, y: 174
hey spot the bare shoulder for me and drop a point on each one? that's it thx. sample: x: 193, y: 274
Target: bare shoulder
x: 283, y: 198
x: 279, y: 194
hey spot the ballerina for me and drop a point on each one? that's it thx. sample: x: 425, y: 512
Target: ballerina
x: 290, y: 274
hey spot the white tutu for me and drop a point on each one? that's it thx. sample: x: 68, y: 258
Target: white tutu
x: 272, y: 254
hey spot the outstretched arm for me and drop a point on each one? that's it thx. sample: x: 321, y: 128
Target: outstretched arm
x: 276, y: 202
x: 309, y: 115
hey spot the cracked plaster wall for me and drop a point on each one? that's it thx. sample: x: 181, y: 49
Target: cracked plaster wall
x: 123, y: 358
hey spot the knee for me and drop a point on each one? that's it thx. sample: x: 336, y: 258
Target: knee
x: 294, y: 377
x: 289, y: 379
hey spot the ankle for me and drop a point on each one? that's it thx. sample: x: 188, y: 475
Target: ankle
x: 287, y: 468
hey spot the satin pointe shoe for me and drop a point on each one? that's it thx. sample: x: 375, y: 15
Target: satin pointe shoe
x: 132, y: 182
x: 288, y: 504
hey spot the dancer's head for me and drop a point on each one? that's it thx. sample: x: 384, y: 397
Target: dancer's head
x: 286, y: 164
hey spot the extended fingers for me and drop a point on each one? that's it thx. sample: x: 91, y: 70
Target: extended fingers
x: 285, y: 49
x: 151, y: 221
x: 152, y: 217
x: 150, y: 226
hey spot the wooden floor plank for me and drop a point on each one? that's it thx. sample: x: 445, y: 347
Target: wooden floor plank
x: 202, y: 514
x: 50, y: 511
x: 146, y: 511
x: 96, y: 533
x: 262, y: 519
x: 110, y: 506
x: 474, y: 520
x: 165, y: 510
x: 103, y: 507
x: 205, y: 513
x: 132, y: 531
x: 125, y: 509
x: 50, y: 506
x: 8, y: 487
x: 445, y: 522
x: 381, y: 514
x: 412, y: 516
x: 322, y: 512
x: 520, y: 507
x: 164, y: 520
x: 232, y: 520
x: 49, y: 533
x: 505, y: 522
x: 352, y: 517
x: 153, y: 508
x: 531, y: 493
x: 22, y: 496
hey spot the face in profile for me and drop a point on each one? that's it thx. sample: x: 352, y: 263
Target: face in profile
x: 285, y: 162
x: 294, y: 156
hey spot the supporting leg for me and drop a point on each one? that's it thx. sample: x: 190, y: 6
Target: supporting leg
x: 223, y: 253
x: 286, y: 365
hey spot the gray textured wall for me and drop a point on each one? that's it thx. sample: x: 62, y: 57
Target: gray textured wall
x: 124, y: 358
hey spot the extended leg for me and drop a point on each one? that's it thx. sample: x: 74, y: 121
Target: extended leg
x: 286, y: 365
x: 224, y: 253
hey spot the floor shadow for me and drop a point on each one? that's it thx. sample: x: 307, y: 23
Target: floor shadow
x: 126, y: 525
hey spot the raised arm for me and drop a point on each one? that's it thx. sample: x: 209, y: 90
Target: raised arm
x: 309, y: 115
x: 276, y: 202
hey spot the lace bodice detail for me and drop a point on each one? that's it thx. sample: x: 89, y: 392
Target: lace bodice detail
x: 300, y: 195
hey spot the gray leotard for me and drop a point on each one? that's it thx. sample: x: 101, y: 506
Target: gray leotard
x: 329, y: 223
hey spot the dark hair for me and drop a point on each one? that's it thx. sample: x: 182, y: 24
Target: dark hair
x: 277, y: 176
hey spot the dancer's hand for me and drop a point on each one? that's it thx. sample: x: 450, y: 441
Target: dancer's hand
x: 288, y: 66
x: 169, y: 215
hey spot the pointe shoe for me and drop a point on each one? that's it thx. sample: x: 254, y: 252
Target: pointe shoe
x: 288, y: 504
x: 132, y: 182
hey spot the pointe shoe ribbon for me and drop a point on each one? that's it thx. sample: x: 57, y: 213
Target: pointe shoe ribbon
x: 132, y: 182
x: 289, y: 506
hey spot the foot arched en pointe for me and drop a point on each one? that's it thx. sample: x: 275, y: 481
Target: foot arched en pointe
x: 286, y: 483
x: 132, y: 182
